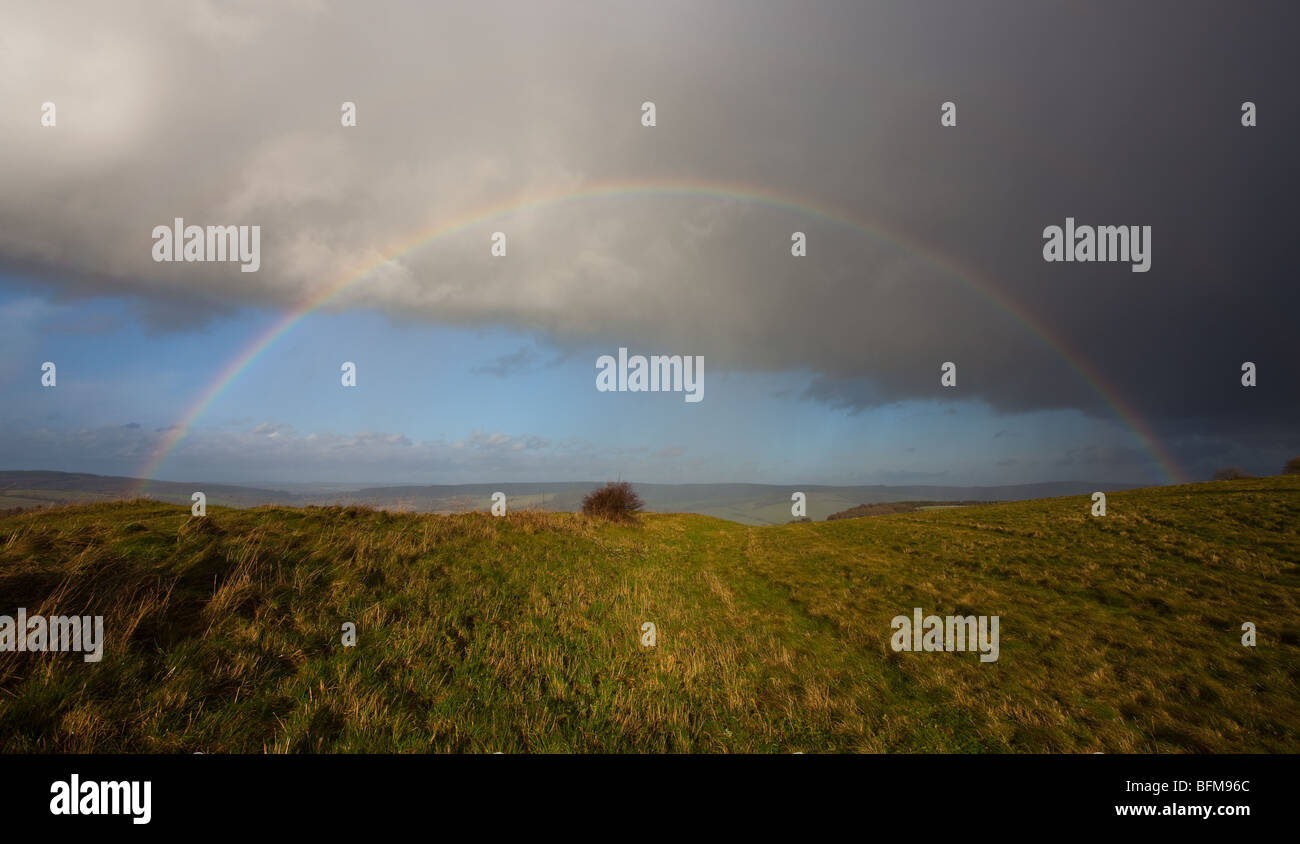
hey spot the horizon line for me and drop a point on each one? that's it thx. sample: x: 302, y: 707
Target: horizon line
x: 791, y: 485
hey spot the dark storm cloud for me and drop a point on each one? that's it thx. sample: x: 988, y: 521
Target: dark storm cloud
x: 1111, y: 113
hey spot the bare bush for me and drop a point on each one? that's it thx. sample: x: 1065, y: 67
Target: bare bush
x: 615, y: 500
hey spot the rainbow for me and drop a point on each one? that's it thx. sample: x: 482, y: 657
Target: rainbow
x: 650, y: 187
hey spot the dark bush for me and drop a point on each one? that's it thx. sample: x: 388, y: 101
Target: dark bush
x: 1232, y: 473
x: 1292, y: 467
x: 612, y: 501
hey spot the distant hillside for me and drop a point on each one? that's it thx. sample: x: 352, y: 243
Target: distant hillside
x: 47, y: 489
x: 896, y: 507
x: 520, y: 634
x: 752, y: 504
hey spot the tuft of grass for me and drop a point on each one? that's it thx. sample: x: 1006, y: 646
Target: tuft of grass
x: 520, y: 633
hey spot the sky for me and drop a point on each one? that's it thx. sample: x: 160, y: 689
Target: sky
x: 924, y: 241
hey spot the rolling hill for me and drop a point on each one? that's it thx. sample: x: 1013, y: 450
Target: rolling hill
x: 751, y: 504
x: 520, y: 634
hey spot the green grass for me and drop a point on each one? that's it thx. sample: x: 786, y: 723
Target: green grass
x: 520, y: 634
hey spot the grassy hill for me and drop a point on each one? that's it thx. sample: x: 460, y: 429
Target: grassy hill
x: 520, y: 634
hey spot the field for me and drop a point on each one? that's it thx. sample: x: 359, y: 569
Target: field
x: 520, y: 634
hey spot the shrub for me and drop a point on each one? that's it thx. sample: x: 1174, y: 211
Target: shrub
x: 612, y: 501
x: 1292, y: 467
x: 1232, y: 473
